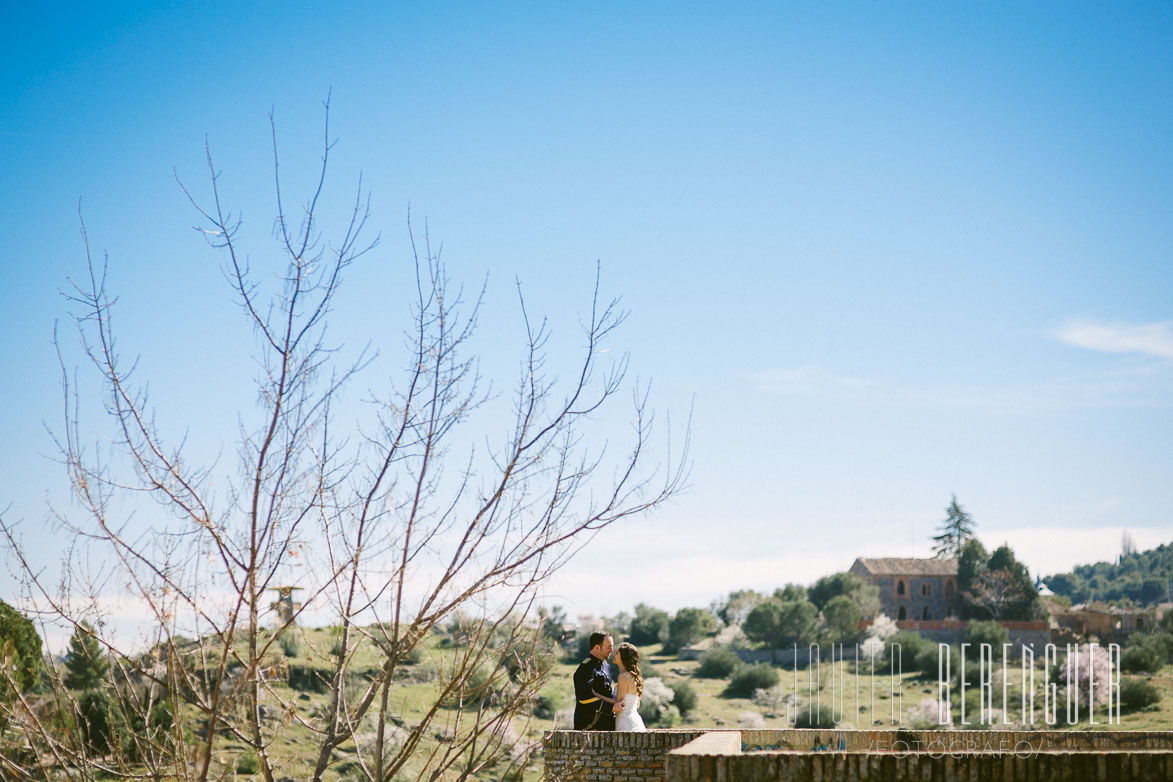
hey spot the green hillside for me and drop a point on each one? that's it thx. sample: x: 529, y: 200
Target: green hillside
x: 1141, y: 578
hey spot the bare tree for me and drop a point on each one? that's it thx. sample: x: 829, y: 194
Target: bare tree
x: 997, y: 594
x: 404, y: 529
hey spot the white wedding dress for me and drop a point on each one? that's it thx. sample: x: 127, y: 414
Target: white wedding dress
x: 629, y: 720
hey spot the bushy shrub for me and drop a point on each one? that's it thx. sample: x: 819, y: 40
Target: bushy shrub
x: 748, y: 678
x: 820, y: 716
x: 927, y: 660
x: 101, y: 721
x: 718, y: 664
x: 307, y: 678
x: 481, y: 684
x: 1141, y: 658
x: 1163, y: 641
x: 1147, y: 653
x: 991, y: 633
x: 546, y: 706
x: 669, y: 717
x: 1136, y: 694
x: 686, y: 697
x: 911, y: 647
x: 248, y: 763
x: 973, y: 712
x: 289, y: 643
x: 910, y: 642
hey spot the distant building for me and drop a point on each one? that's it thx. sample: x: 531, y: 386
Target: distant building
x: 916, y: 589
x: 1111, y: 623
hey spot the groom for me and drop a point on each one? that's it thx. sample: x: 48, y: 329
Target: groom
x: 593, y: 692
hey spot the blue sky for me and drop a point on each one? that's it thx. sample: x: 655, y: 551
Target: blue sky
x: 890, y: 251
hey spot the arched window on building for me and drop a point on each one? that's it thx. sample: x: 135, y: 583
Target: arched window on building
x: 926, y: 614
x: 949, y: 588
x: 903, y: 614
x: 900, y: 588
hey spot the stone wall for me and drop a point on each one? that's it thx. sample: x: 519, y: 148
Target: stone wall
x: 874, y: 755
x: 800, y: 739
x: 601, y: 756
x: 1108, y: 766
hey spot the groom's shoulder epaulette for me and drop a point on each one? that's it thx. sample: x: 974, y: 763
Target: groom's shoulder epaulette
x: 587, y: 661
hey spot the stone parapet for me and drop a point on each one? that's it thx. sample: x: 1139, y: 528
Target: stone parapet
x: 870, y: 755
x: 1088, y: 766
x: 602, y: 756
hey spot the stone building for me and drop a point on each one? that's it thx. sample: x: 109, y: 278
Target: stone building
x: 916, y: 589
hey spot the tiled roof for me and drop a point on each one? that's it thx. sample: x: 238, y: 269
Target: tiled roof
x: 900, y: 566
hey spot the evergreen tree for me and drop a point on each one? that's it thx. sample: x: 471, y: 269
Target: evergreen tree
x: 20, y: 649
x: 955, y: 530
x: 85, y: 665
x: 971, y: 568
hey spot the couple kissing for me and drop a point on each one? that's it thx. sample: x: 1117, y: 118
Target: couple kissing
x: 599, y: 705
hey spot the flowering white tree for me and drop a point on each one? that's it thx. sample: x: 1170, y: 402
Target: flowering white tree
x: 1087, y: 671
x: 929, y: 713
x: 881, y: 629
x: 656, y: 699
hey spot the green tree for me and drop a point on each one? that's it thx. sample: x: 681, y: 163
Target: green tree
x: 85, y: 664
x: 791, y: 593
x: 955, y: 530
x: 998, y: 588
x: 20, y: 650
x: 778, y: 624
x: 689, y: 626
x: 553, y: 620
x: 649, y: 625
x: 971, y: 566
x: 865, y: 597
x: 842, y: 616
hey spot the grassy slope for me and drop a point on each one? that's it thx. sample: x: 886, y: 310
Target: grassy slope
x: 412, y: 695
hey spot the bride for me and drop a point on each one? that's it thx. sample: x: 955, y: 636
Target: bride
x: 630, y: 687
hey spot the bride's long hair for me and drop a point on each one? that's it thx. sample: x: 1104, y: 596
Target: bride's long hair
x: 630, y: 657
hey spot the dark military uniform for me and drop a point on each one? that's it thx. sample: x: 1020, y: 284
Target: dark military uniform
x: 592, y: 678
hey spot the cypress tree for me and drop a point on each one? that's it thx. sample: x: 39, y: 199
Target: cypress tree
x: 85, y: 665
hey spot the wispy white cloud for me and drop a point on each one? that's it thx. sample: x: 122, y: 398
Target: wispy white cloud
x: 807, y: 380
x: 1149, y: 339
